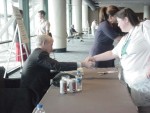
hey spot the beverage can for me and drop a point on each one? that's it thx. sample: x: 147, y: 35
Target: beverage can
x: 72, y: 85
x: 63, y: 86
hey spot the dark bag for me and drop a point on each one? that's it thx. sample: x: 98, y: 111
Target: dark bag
x: 58, y: 77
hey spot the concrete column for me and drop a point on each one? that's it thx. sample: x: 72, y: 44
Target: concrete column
x: 77, y: 15
x: 146, y: 12
x: 69, y: 16
x: 41, y: 5
x: 57, y: 18
x: 44, y: 6
x: 85, y: 23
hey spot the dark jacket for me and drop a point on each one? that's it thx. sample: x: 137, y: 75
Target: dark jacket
x: 36, y: 72
x: 104, y: 38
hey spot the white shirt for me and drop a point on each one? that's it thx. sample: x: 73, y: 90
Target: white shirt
x: 136, y: 61
x: 94, y: 26
x: 43, y: 27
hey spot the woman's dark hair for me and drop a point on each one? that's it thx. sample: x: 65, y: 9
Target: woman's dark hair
x: 105, y: 12
x: 130, y: 14
x: 102, y: 14
x: 42, y: 12
x: 112, y: 10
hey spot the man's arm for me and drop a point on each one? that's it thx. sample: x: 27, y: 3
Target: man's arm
x: 47, y: 62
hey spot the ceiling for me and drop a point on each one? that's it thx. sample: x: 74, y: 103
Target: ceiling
x: 136, y: 5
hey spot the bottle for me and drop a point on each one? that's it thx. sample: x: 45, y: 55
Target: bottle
x: 79, y: 81
x: 39, y: 109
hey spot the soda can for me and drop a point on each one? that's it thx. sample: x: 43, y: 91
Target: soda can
x: 63, y: 87
x: 72, y: 85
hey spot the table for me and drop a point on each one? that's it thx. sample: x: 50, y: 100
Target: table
x: 100, y: 94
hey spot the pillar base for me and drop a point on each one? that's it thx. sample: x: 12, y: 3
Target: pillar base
x: 60, y: 50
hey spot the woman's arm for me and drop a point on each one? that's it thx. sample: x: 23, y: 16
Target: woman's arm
x: 108, y: 55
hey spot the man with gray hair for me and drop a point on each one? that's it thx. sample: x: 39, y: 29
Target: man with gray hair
x: 36, y: 72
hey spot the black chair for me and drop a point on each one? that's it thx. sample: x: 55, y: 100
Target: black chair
x: 2, y: 71
x: 14, y: 99
x: 11, y: 82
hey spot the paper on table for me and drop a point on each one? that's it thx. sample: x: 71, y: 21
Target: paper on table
x: 107, y: 72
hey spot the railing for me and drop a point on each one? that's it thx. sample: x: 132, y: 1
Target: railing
x: 3, y: 42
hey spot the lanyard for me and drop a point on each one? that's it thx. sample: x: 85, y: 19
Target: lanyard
x: 124, y: 47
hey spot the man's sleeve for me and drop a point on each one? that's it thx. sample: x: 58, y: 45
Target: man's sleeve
x: 47, y: 62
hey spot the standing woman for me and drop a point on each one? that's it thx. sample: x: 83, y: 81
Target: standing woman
x: 105, y: 34
x: 134, y: 52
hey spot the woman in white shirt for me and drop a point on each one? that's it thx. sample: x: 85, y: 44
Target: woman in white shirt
x: 134, y: 53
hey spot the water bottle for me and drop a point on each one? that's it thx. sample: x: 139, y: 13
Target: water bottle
x: 39, y: 109
x: 79, y: 81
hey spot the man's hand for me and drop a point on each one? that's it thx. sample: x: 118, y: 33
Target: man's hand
x: 89, y: 62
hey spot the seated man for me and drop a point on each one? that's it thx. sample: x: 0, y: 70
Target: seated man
x: 74, y: 33
x: 36, y: 72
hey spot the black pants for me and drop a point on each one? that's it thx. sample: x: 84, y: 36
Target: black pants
x: 15, y: 100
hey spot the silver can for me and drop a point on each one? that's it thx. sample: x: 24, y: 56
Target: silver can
x: 72, y: 85
x: 63, y: 87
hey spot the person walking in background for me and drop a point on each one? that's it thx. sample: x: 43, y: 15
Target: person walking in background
x: 43, y: 25
x: 134, y: 52
x: 105, y: 34
x: 94, y: 26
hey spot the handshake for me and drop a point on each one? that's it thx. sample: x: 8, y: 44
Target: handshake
x: 89, y: 62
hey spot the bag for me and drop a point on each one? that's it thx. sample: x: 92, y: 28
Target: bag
x: 58, y: 77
